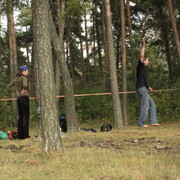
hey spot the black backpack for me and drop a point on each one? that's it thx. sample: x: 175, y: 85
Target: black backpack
x: 106, y: 127
x: 63, y: 123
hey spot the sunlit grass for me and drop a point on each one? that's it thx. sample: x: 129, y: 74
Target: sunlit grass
x: 132, y: 153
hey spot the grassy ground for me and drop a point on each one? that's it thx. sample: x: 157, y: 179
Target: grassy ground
x: 133, y: 153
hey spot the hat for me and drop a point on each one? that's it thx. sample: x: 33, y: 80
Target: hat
x: 23, y: 68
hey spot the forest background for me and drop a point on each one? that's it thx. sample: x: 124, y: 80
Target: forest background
x: 86, y: 55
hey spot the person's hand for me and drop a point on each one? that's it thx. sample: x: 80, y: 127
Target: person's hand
x: 23, y: 91
x: 144, y: 39
x: 150, y: 89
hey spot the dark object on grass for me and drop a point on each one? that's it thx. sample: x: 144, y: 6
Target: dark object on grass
x: 13, y: 147
x: 13, y: 134
x: 63, y: 123
x: 106, y: 127
x: 90, y: 129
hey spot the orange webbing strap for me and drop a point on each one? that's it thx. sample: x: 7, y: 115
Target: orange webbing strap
x: 97, y: 94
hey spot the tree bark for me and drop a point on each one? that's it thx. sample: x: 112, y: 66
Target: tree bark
x: 61, y: 27
x: 34, y: 72
x: 81, y: 49
x: 45, y: 77
x: 71, y: 116
x: 165, y: 35
x: 98, y: 37
x: 12, y: 48
x: 103, y: 15
x: 175, y: 30
x: 71, y: 52
x: 131, y: 41
x: 87, y: 47
x: 12, y: 40
x: 112, y: 68
x: 94, y: 37
x: 1, y: 55
x: 124, y: 70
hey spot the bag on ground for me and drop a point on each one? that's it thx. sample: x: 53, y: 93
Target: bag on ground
x: 106, y: 127
x: 13, y: 134
x: 63, y: 123
x: 3, y: 135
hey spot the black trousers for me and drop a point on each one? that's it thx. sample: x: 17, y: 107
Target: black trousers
x: 23, y: 116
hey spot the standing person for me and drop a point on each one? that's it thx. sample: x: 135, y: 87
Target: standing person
x: 20, y: 86
x: 143, y: 89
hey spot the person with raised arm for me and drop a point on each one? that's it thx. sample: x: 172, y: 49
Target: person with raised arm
x: 142, y: 88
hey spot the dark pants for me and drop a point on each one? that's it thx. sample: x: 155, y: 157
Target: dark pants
x: 23, y: 116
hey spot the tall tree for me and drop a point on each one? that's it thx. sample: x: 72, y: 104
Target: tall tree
x: 131, y: 39
x: 103, y: 15
x: 165, y: 35
x: 70, y: 44
x: 72, y: 121
x: 174, y: 26
x: 94, y: 34
x: 13, y: 62
x: 60, y: 24
x: 87, y: 44
x: 12, y: 40
x: 45, y: 76
x: 98, y: 35
x: 81, y: 47
x: 1, y: 55
x: 124, y: 70
x: 112, y: 68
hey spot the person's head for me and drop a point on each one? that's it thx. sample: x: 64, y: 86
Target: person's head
x: 24, y: 70
x: 146, y: 61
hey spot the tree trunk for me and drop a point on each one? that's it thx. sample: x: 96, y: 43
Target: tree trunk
x: 165, y: 35
x: 71, y: 116
x: 112, y: 68
x: 131, y: 41
x: 94, y: 37
x: 12, y: 40
x: 61, y: 27
x: 1, y: 54
x: 118, y: 51
x: 71, y: 52
x: 103, y: 15
x: 45, y: 77
x: 98, y: 37
x: 124, y: 70
x: 87, y: 47
x: 34, y: 72
x: 81, y: 49
x: 12, y: 48
x: 175, y: 30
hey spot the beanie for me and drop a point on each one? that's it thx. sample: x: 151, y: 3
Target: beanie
x: 23, y: 68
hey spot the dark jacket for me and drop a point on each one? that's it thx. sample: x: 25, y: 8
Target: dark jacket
x: 141, y: 76
x: 18, y: 84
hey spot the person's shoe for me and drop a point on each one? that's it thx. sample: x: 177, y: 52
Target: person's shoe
x: 155, y: 124
x: 145, y: 126
x: 29, y: 137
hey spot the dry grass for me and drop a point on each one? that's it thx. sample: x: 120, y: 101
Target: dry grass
x: 133, y: 153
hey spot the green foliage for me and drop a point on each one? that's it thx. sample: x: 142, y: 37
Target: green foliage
x: 94, y: 107
x: 6, y: 113
x: 78, y: 7
x: 168, y: 105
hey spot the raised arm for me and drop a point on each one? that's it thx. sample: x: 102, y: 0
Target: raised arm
x: 142, y: 52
